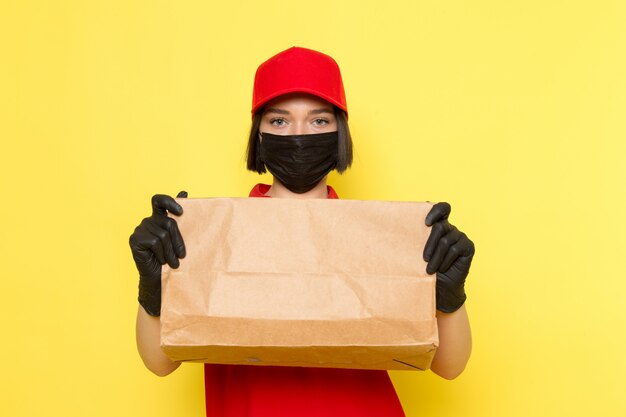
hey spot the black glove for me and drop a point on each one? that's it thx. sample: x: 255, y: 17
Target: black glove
x: 449, y: 253
x: 154, y: 242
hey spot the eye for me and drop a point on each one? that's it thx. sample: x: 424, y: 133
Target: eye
x: 320, y: 122
x: 278, y: 121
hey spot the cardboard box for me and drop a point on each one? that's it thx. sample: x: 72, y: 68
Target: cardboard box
x: 301, y: 282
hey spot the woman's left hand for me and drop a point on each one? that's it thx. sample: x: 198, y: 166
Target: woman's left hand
x: 449, y: 253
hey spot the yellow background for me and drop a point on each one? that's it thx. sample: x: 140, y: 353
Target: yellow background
x: 512, y: 111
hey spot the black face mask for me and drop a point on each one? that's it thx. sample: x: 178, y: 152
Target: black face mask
x: 299, y: 161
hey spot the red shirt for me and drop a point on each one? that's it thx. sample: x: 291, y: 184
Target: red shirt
x: 280, y: 391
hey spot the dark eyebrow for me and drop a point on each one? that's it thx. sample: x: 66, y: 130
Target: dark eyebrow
x: 275, y: 110
x: 320, y: 111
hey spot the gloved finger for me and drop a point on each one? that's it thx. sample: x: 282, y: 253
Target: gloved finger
x: 438, y: 212
x: 147, y: 261
x: 176, y: 238
x: 169, y: 224
x: 464, y: 262
x: 437, y: 231
x: 140, y: 244
x: 166, y: 244
x: 459, y: 249
x: 156, y: 247
x: 162, y: 203
x: 443, y: 246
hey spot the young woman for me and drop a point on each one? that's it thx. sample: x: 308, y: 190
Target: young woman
x: 300, y: 133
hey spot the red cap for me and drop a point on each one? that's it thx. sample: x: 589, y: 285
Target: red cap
x: 298, y: 70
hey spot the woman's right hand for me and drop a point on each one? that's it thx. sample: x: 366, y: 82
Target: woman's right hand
x: 155, y: 242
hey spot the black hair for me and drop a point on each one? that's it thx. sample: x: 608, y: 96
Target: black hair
x: 344, y: 159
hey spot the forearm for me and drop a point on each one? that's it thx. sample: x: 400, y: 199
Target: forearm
x: 455, y: 343
x: 148, y: 332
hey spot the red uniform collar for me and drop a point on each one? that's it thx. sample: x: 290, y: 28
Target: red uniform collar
x: 260, y: 190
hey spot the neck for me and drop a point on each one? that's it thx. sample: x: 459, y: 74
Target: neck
x: 278, y: 190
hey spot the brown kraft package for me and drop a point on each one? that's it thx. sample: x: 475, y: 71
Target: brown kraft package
x: 301, y: 282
